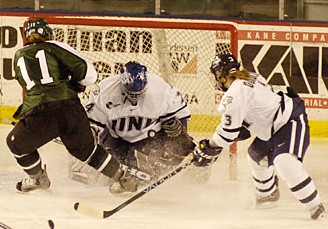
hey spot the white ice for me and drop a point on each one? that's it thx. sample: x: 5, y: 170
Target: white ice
x: 221, y: 203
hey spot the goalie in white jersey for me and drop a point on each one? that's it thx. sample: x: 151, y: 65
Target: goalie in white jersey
x: 142, y: 120
x: 280, y: 126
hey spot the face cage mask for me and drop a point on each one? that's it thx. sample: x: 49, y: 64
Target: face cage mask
x: 43, y: 30
x: 133, y: 96
x: 219, y: 81
x: 127, y: 81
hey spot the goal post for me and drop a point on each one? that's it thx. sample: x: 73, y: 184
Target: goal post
x: 179, y: 50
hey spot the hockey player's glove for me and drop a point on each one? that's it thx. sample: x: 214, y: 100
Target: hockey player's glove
x: 205, y: 154
x: 78, y: 88
x: 172, y: 127
x: 243, y: 134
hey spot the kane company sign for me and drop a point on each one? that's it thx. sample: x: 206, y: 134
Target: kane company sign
x: 282, y: 36
x: 293, y: 56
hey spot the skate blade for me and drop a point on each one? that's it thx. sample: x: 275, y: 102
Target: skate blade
x: 267, y: 205
x: 35, y: 192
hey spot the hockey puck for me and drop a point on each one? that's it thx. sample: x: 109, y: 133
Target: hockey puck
x: 51, y: 224
x: 76, y: 205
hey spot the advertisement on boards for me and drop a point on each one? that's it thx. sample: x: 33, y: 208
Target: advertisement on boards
x: 295, y: 56
x: 285, y: 54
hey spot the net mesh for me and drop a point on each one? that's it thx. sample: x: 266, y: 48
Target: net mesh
x: 180, y: 56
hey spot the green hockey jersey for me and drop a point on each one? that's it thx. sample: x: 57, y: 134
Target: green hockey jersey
x: 44, y: 69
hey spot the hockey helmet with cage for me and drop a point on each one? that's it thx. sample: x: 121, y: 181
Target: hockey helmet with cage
x: 39, y: 26
x: 221, y: 66
x: 134, y: 80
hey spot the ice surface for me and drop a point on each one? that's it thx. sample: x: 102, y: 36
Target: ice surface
x: 177, y: 204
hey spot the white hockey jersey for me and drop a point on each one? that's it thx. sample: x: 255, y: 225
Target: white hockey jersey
x: 254, y: 105
x: 108, y: 106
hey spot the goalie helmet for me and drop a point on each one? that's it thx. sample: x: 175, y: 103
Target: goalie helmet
x: 134, y: 80
x: 221, y: 66
x: 39, y: 26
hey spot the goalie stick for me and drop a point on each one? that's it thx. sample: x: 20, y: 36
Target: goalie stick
x: 100, y: 213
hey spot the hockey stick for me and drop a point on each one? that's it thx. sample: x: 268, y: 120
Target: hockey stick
x: 4, y: 226
x: 100, y: 213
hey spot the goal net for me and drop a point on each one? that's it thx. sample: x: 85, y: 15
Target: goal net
x: 179, y: 50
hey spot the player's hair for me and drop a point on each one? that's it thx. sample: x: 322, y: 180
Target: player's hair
x: 240, y: 74
x: 35, y: 38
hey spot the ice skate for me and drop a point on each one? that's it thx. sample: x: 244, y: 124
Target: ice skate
x: 318, y: 212
x: 273, y: 197
x: 123, y: 185
x: 29, y: 184
x: 269, y: 201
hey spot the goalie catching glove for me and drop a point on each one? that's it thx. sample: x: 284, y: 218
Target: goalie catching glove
x: 205, y: 154
x: 172, y: 127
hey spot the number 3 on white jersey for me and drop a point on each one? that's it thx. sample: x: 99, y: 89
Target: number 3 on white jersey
x: 46, y: 78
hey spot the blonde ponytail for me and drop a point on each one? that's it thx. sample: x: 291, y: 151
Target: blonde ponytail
x: 242, y: 74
